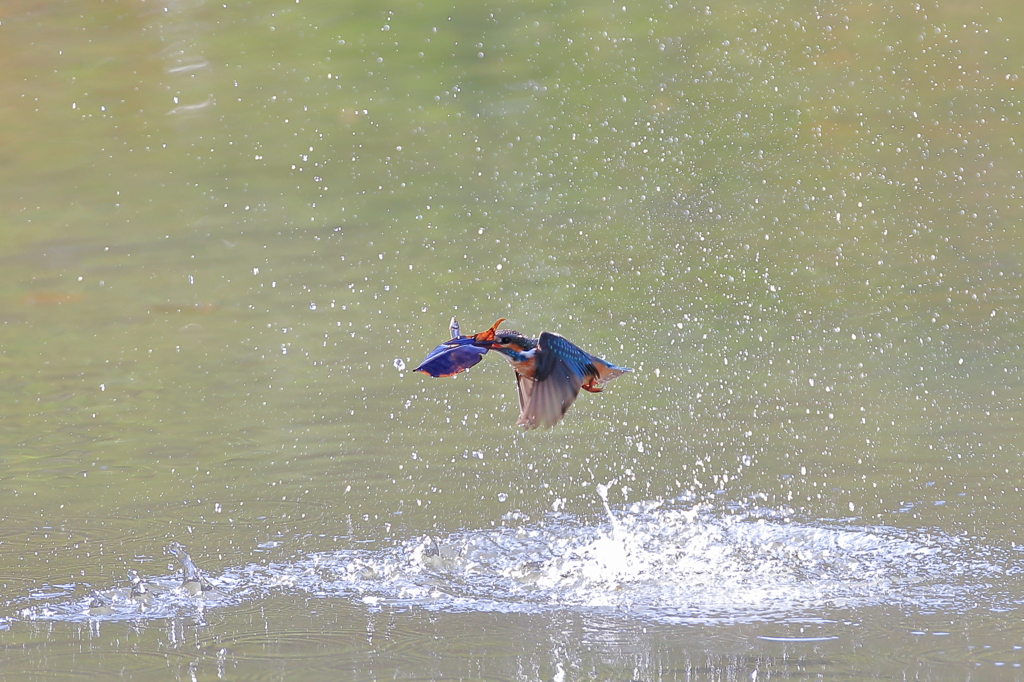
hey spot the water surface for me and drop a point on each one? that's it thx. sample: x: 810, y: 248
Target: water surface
x: 229, y: 229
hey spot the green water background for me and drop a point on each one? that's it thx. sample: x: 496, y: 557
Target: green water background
x: 222, y: 226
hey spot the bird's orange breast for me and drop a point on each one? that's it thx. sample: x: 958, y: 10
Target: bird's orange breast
x: 523, y: 364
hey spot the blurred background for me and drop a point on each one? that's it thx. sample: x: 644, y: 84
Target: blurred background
x: 228, y: 231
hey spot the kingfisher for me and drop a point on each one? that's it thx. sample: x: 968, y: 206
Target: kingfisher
x: 192, y: 579
x: 550, y: 371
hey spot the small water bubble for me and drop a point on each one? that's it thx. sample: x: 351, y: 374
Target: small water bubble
x: 399, y: 364
x: 216, y: 507
x: 502, y: 497
x: 312, y: 305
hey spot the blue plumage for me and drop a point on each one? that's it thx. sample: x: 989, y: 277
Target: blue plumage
x: 550, y: 371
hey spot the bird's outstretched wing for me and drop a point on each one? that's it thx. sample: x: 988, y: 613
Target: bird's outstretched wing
x: 561, y: 369
x: 542, y: 403
x: 593, y: 372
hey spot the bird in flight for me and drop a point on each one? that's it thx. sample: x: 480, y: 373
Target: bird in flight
x: 550, y: 370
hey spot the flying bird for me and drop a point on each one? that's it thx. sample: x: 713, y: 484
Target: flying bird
x: 550, y: 371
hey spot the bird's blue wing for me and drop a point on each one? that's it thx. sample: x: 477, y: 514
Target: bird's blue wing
x: 554, y: 349
x: 561, y: 370
x: 592, y: 370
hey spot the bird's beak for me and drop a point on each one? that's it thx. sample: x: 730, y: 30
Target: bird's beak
x: 486, y: 339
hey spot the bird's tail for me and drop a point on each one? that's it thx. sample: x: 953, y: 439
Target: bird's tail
x: 606, y: 371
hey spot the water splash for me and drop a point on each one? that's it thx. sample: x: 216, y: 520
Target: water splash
x: 662, y: 562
